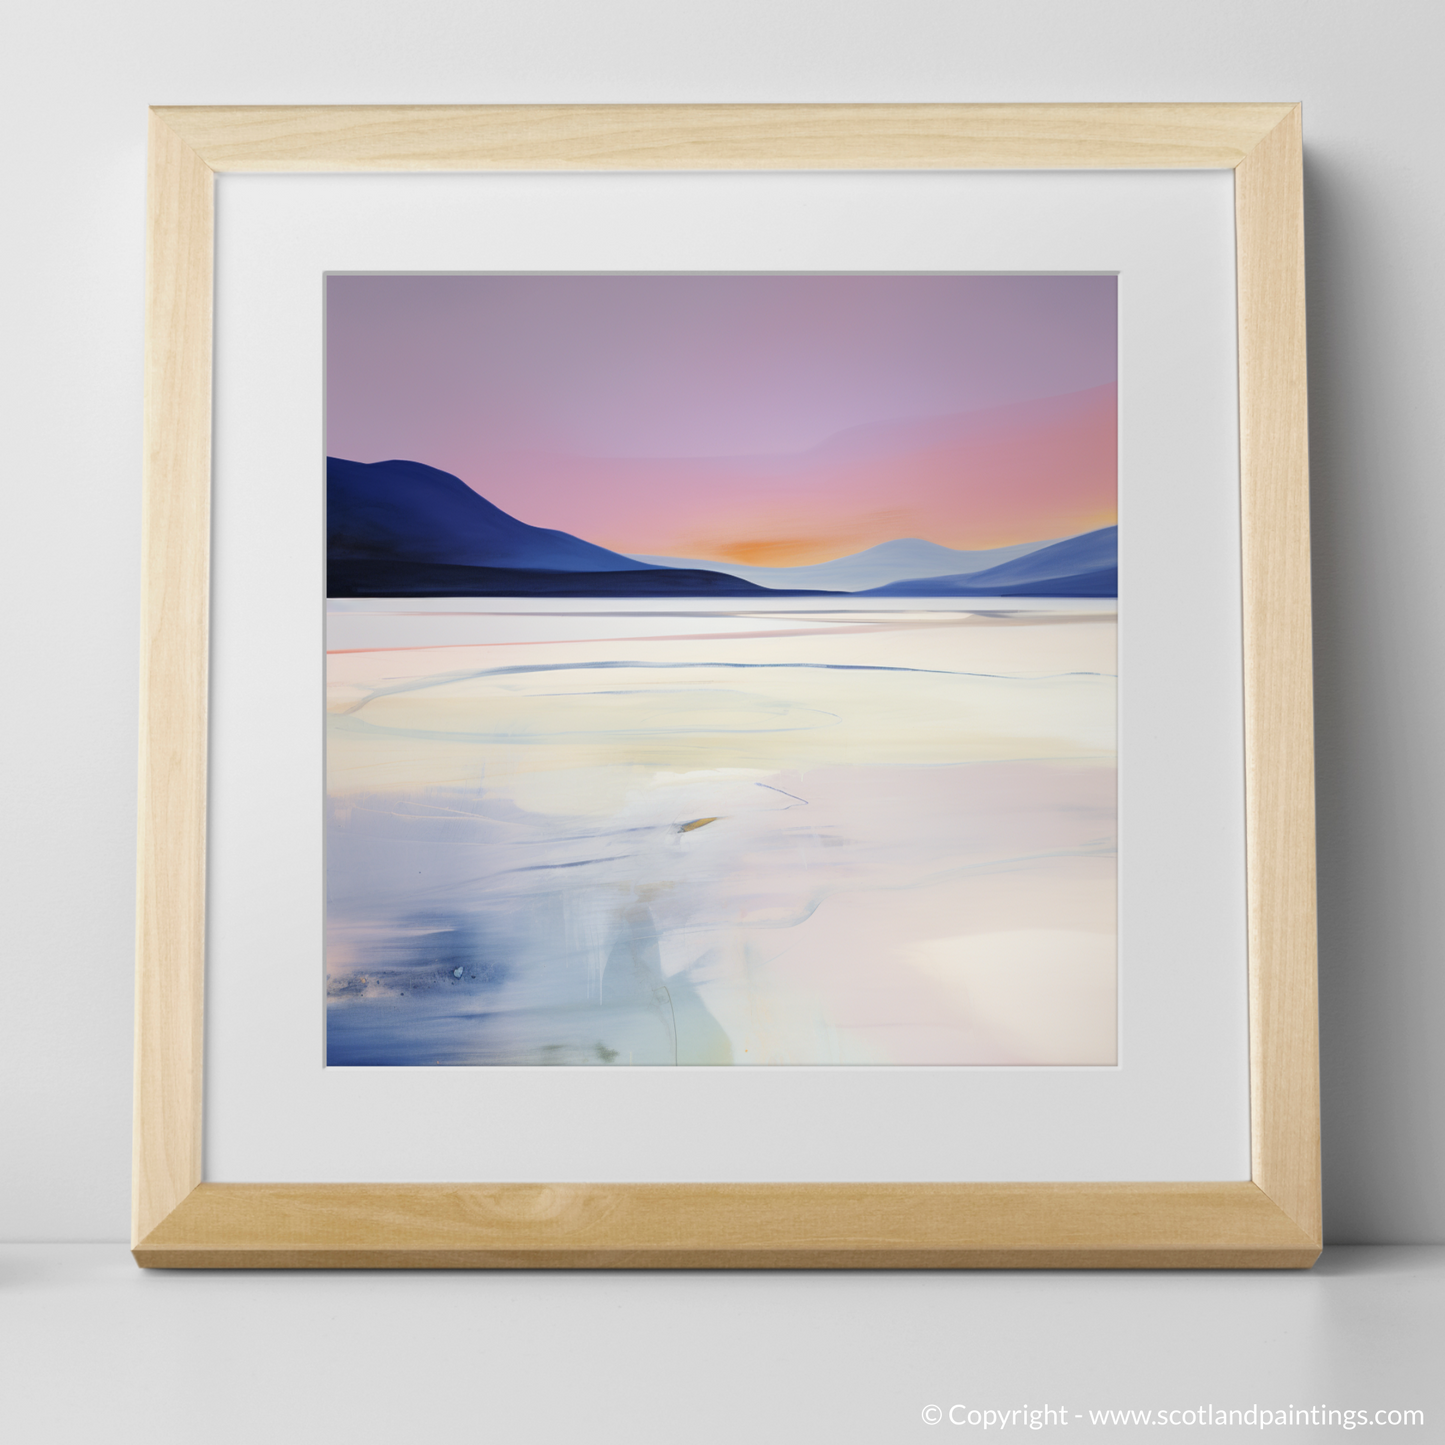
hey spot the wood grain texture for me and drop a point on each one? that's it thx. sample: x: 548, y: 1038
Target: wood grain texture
x: 720, y: 137
x: 706, y: 1226
x: 1272, y: 1222
x: 1279, y: 719
x: 171, y: 881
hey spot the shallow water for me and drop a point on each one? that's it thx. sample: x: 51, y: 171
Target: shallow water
x: 721, y: 837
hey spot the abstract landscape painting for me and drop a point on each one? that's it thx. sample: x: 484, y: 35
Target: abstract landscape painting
x: 721, y: 670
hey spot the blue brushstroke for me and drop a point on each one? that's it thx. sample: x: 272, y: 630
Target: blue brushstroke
x: 532, y: 989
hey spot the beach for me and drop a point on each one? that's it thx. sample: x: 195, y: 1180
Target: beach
x: 721, y: 836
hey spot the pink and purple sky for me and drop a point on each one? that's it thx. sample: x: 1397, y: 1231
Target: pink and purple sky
x: 773, y: 420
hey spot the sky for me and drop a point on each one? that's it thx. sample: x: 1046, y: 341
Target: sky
x: 771, y: 419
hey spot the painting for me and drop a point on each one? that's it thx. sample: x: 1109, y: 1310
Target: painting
x: 721, y: 670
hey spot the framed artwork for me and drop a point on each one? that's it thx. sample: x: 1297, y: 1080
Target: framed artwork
x: 724, y: 808
x: 721, y: 673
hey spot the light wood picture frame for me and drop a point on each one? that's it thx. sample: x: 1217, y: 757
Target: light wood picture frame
x: 1270, y: 1221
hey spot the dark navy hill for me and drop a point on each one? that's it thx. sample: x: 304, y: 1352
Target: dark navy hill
x: 402, y: 529
x: 404, y: 511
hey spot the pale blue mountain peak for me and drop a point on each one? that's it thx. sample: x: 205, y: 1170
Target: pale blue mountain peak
x: 898, y: 560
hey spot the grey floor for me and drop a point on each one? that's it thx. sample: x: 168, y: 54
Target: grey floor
x: 94, y: 1350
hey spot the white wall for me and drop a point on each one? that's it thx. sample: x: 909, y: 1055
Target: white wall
x: 78, y: 77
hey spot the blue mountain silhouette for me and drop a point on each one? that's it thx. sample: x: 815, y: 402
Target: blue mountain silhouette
x: 402, y: 529
x: 1083, y: 566
x: 406, y: 512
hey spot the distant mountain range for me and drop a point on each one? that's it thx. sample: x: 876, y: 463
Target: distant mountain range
x: 877, y: 567
x: 403, y: 529
x: 1084, y: 566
